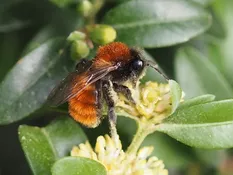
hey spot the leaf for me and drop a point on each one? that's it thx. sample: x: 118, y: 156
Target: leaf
x: 78, y: 166
x: 208, y: 125
x: 10, y: 49
x: 197, y: 75
x: 43, y: 146
x: 37, y: 149
x: 174, y: 154
x: 67, y: 21
x: 150, y: 24
x: 224, y: 11
x: 26, y: 87
x: 64, y: 3
x: 197, y: 100
x: 152, y: 74
x: 9, y: 22
x: 176, y: 94
x: 203, y: 2
x: 211, y: 158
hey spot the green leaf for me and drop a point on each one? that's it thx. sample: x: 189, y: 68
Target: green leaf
x: 78, y: 166
x: 64, y: 3
x: 10, y: 49
x: 197, y: 75
x: 203, y: 2
x: 68, y: 21
x: 224, y: 11
x: 149, y: 23
x: 64, y: 134
x: 208, y: 125
x: 38, y: 151
x: 211, y: 158
x: 197, y: 100
x: 9, y: 25
x: 173, y: 153
x: 152, y: 74
x: 176, y: 94
x: 26, y: 87
x: 9, y: 22
x: 43, y: 146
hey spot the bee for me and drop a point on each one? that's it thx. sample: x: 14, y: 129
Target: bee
x: 92, y: 82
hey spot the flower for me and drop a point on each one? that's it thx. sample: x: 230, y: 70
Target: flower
x: 152, y: 101
x: 117, y: 162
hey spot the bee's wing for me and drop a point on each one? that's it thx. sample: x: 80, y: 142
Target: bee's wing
x: 75, y: 83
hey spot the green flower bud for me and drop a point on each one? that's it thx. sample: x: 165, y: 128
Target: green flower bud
x: 102, y: 34
x: 85, y: 8
x: 76, y: 35
x: 79, y: 49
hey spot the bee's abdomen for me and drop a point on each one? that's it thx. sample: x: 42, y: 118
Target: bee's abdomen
x: 84, y: 108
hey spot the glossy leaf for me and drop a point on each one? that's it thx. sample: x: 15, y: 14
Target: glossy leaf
x: 176, y: 94
x: 67, y: 21
x: 149, y: 23
x: 197, y: 75
x: 78, y: 166
x: 208, y: 125
x: 26, y: 87
x: 43, y: 146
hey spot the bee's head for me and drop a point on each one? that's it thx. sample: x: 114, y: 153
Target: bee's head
x: 138, y: 63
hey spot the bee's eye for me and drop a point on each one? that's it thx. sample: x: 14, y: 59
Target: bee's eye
x: 137, y: 64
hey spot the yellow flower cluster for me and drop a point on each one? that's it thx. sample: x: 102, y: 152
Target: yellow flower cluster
x: 152, y: 101
x: 117, y: 162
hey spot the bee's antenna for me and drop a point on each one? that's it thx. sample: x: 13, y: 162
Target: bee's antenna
x: 155, y: 66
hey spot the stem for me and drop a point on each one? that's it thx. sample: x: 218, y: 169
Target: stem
x: 97, y: 5
x: 142, y: 132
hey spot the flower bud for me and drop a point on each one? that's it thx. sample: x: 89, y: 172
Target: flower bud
x: 102, y: 34
x: 85, y: 8
x: 76, y: 35
x: 79, y: 49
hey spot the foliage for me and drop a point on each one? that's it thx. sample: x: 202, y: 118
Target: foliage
x: 190, y: 39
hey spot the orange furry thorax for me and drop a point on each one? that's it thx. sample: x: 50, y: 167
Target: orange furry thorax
x: 114, y: 52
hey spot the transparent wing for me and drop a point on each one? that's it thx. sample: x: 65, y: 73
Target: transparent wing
x: 75, y: 83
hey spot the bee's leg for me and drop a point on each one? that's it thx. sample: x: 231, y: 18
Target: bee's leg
x: 124, y: 90
x: 99, y: 97
x: 110, y: 103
